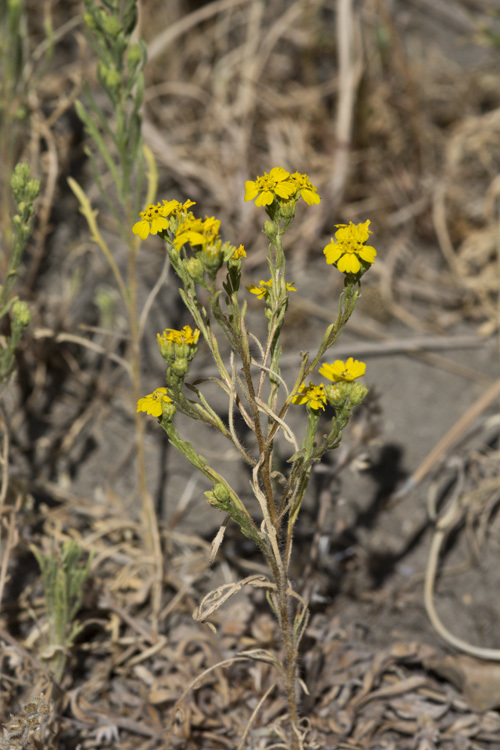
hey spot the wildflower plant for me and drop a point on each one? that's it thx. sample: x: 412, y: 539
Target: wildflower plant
x: 63, y: 577
x: 25, y: 190
x: 116, y: 149
x: 255, y: 387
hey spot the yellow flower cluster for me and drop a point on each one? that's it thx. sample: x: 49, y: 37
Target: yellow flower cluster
x: 348, y: 251
x: 262, y: 291
x: 314, y: 396
x: 153, y: 220
x: 185, y: 336
x: 311, y: 395
x: 198, y: 232
x: 151, y: 404
x: 279, y: 183
x: 154, y: 217
x: 349, y: 247
x: 343, y: 371
x: 239, y: 253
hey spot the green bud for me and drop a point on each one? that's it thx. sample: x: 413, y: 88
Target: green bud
x: 269, y: 230
x: 336, y: 394
x: 111, y: 25
x: 173, y: 253
x: 89, y: 21
x: 194, y: 267
x: 19, y: 177
x: 167, y: 348
x: 222, y: 493
x: 32, y: 190
x: 180, y: 367
x: 167, y: 410
x: 357, y: 393
x: 24, y: 189
x: 134, y: 55
x: 21, y: 314
x: 212, y: 258
x: 219, y: 498
x: 227, y: 251
x: 288, y: 209
x: 109, y: 77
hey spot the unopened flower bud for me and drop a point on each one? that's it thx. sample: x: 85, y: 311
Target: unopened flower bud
x: 19, y: 179
x: 212, y: 258
x: 357, y: 393
x: 336, y: 394
x: 219, y: 497
x: 109, y: 77
x: 21, y: 314
x: 194, y: 267
x: 167, y: 410
x: 134, y: 55
x: 180, y: 367
x: 269, y: 230
x: 222, y: 493
x: 112, y: 25
x: 89, y: 21
x: 32, y: 190
x: 166, y: 347
x: 288, y: 209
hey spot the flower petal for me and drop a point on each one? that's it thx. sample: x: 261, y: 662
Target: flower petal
x: 349, y: 263
x: 332, y: 252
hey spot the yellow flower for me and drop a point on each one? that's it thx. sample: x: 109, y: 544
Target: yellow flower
x: 343, y: 371
x: 262, y: 290
x: 306, y: 189
x: 184, y: 336
x: 152, y: 404
x: 178, y: 209
x: 239, y: 253
x: 266, y: 188
x: 153, y: 220
x: 350, y: 245
x: 264, y: 287
x: 197, y: 232
x: 311, y: 395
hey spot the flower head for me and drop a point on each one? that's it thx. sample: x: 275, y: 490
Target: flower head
x: 311, y: 395
x: 305, y: 188
x: 198, y: 232
x: 179, y: 210
x: 265, y: 189
x: 262, y: 291
x: 174, y: 345
x: 350, y: 247
x: 344, y: 372
x: 239, y: 253
x: 151, y: 404
x: 185, y: 336
x: 153, y: 220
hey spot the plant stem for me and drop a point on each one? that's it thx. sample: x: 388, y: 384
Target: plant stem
x: 151, y: 532
x: 290, y: 653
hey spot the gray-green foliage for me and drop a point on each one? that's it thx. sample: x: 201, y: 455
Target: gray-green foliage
x: 63, y: 574
x: 24, y: 191
x: 110, y: 24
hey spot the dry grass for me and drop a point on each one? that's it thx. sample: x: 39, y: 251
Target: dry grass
x: 395, y: 114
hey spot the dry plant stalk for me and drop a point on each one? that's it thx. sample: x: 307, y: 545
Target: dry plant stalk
x: 255, y: 388
x: 118, y: 148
